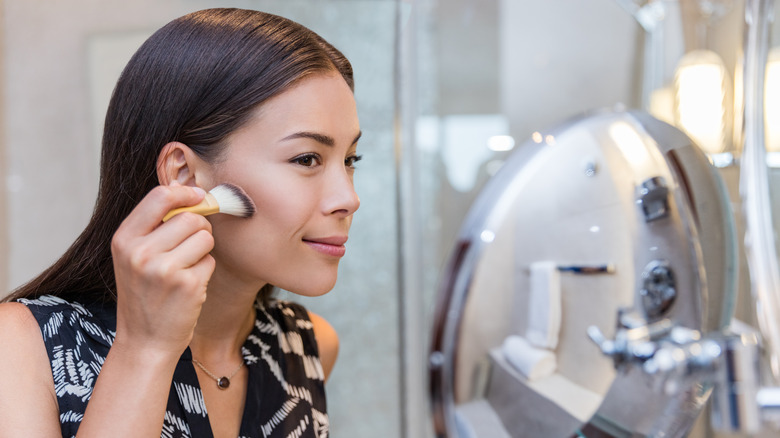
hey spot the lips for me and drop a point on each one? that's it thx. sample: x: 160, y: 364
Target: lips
x: 331, y: 246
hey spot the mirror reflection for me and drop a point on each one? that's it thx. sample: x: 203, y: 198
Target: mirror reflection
x: 597, y: 229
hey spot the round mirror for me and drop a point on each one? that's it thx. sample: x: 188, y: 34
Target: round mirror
x: 612, y: 220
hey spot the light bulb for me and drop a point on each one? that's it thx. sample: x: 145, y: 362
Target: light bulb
x: 703, y: 99
x: 501, y: 143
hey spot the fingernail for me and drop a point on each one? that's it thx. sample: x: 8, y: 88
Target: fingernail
x: 199, y: 191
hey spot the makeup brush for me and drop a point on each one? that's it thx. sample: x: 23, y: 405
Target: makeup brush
x: 224, y: 198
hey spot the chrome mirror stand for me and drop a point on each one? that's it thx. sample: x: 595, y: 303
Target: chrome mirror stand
x: 674, y: 357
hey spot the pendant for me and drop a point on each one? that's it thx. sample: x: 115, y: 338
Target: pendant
x: 223, y: 383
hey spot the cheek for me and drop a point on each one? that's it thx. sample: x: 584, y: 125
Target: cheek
x: 251, y: 248
x: 282, y: 204
x: 283, y: 211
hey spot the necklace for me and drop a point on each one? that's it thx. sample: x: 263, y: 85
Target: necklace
x: 222, y: 382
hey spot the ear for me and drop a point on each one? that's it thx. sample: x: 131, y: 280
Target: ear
x: 177, y: 162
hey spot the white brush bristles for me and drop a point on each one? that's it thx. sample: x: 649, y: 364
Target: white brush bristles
x: 233, y: 200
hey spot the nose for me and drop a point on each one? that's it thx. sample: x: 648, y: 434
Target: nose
x: 340, y: 197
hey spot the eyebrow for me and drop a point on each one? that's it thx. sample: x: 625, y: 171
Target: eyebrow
x: 319, y: 138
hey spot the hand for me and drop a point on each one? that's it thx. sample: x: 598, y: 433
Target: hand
x: 161, y: 270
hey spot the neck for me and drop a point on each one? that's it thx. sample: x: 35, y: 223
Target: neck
x: 226, y: 319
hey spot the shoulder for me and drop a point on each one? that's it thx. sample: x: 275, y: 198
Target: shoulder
x: 297, y: 318
x: 327, y: 342
x: 25, y: 374
x: 17, y: 324
x: 20, y: 332
x: 62, y: 321
x: 45, y: 307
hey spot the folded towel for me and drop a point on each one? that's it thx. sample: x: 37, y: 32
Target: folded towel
x: 544, y: 305
x: 534, y: 363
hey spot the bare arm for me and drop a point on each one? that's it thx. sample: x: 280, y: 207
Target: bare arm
x: 327, y: 342
x: 130, y: 394
x: 28, y: 405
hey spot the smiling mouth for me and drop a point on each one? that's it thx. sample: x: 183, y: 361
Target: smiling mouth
x: 333, y: 247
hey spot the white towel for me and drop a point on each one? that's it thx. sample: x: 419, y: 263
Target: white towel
x: 534, y: 363
x: 544, y: 305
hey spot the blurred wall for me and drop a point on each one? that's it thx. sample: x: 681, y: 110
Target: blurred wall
x: 562, y: 58
x: 3, y: 213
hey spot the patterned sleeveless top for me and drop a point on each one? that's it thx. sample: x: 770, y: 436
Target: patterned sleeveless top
x: 285, y: 393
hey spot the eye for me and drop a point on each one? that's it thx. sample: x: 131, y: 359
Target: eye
x: 351, y: 160
x: 306, y: 160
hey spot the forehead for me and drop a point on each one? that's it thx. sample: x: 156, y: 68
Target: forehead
x: 322, y: 101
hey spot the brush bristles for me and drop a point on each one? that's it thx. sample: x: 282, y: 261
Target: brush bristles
x: 233, y: 200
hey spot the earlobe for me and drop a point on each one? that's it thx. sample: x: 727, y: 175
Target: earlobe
x: 176, y: 163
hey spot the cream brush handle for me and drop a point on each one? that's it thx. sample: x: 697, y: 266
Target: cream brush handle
x: 204, y: 208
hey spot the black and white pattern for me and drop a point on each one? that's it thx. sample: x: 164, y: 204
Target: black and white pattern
x: 285, y: 394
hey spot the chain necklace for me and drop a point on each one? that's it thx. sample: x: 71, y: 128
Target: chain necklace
x: 222, y: 382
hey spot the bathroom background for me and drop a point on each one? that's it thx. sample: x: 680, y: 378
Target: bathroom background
x: 444, y: 90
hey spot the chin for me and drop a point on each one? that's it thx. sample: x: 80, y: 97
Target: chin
x: 315, y: 288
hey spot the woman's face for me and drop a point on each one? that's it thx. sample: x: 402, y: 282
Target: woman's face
x: 295, y: 159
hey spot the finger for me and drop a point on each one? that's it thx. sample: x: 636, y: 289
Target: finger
x: 193, y: 249
x: 148, y: 214
x: 200, y: 274
x: 171, y: 234
x: 204, y: 267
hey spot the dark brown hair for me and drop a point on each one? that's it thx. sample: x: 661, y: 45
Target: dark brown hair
x: 196, y: 80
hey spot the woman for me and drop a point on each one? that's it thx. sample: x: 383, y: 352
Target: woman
x: 145, y: 328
